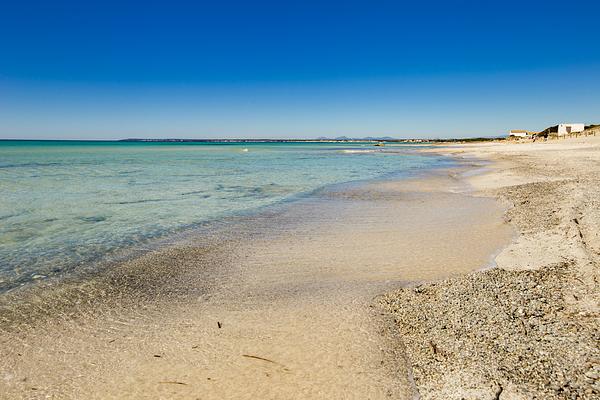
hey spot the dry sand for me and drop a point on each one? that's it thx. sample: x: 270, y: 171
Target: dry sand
x: 529, y: 329
x: 277, y: 306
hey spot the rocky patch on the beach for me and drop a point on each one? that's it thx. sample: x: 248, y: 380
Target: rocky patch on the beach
x: 499, y: 335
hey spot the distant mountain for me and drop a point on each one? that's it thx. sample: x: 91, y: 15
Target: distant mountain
x: 368, y: 138
x: 379, y: 138
x: 322, y: 138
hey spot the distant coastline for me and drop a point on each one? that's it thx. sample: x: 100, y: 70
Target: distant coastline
x: 341, y: 139
x: 317, y: 140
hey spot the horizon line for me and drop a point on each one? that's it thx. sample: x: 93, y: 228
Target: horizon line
x: 320, y: 138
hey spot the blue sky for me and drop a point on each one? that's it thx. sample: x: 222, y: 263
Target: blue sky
x: 295, y: 69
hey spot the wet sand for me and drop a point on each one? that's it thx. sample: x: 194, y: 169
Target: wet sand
x: 279, y: 305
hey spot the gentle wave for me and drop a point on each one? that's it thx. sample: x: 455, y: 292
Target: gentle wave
x: 359, y: 151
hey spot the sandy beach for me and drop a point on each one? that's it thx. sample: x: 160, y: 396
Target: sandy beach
x: 530, y: 327
x: 299, y: 200
x: 329, y: 297
x: 280, y: 305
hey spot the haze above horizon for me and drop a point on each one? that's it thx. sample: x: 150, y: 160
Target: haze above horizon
x: 267, y: 69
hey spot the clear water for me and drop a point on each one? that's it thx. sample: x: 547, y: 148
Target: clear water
x: 63, y: 204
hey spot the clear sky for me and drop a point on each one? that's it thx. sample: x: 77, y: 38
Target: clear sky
x: 300, y: 69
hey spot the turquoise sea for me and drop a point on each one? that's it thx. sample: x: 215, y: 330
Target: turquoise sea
x: 65, y: 204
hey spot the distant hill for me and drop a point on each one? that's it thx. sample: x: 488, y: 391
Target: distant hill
x: 554, y: 129
x: 319, y: 139
x: 322, y: 138
x: 368, y: 138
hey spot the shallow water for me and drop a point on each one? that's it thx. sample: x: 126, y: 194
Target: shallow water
x: 63, y: 204
x: 276, y: 304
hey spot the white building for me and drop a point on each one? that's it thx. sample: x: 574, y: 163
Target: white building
x: 519, y: 133
x: 566, y: 129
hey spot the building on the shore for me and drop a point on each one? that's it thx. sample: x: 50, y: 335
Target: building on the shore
x: 567, y: 129
x: 519, y: 133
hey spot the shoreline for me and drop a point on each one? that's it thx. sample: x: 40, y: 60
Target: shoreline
x: 299, y: 296
x: 215, y: 226
x: 528, y: 328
